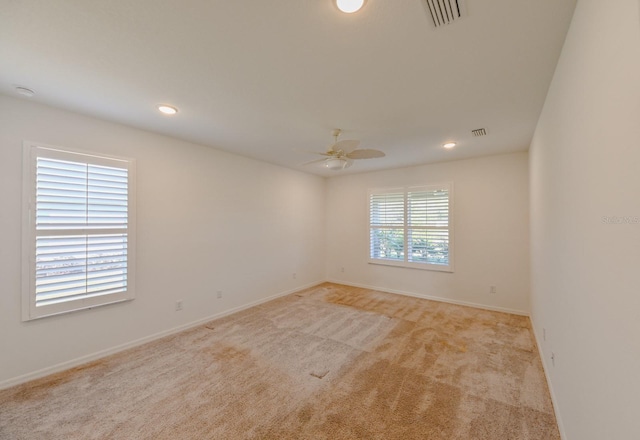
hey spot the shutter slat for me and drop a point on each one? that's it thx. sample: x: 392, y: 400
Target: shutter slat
x: 387, y: 244
x: 428, y: 208
x: 84, y: 295
x: 60, y: 290
x: 387, y: 209
x: 429, y: 246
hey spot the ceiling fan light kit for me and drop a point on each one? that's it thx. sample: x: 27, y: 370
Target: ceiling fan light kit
x: 337, y: 163
x: 349, y: 6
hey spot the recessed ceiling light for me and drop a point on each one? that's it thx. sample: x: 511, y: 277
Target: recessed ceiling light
x: 449, y: 145
x: 167, y: 109
x: 349, y: 6
x: 25, y: 91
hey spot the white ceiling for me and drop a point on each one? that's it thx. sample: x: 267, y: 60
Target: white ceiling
x: 262, y: 78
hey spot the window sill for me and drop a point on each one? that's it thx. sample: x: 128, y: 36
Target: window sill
x: 419, y: 266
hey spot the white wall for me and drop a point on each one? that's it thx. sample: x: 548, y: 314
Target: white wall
x: 207, y: 221
x: 585, y: 165
x: 491, y: 232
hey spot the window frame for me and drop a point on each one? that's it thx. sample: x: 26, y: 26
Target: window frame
x: 31, y: 152
x: 405, y: 190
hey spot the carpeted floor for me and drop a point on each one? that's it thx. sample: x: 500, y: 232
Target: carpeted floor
x: 330, y: 362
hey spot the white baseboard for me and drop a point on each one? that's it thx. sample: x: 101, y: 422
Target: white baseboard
x: 554, y: 401
x: 109, y: 351
x: 435, y: 298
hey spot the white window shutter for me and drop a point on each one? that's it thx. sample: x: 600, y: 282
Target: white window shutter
x: 428, y: 226
x: 387, y: 218
x: 81, y: 212
x: 411, y: 227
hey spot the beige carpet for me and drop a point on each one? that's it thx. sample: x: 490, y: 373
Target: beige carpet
x: 330, y: 362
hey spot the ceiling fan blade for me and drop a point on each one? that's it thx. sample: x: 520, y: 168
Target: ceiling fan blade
x: 347, y: 145
x: 312, y: 161
x: 298, y: 150
x: 365, y: 154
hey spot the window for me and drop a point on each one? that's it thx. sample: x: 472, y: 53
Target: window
x: 412, y: 227
x: 78, y: 239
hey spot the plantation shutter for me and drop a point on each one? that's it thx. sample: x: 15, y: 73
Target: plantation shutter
x: 81, y: 213
x: 428, y: 226
x: 387, y: 225
x: 411, y: 226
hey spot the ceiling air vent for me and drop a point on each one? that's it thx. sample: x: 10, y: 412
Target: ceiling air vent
x: 444, y: 11
x: 479, y: 132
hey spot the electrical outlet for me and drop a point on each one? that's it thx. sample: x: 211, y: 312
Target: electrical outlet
x: 178, y: 305
x: 219, y: 294
x: 342, y: 269
x: 492, y: 289
x: 295, y: 275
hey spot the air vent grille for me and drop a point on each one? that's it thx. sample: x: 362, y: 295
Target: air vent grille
x: 444, y: 11
x: 479, y: 132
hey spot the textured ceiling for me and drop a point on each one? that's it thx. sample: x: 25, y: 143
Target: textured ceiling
x: 263, y: 78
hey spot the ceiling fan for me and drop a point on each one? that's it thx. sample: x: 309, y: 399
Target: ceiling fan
x: 341, y: 154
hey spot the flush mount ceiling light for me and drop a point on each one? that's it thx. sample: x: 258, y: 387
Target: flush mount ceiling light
x: 349, y: 6
x: 449, y: 145
x: 167, y: 109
